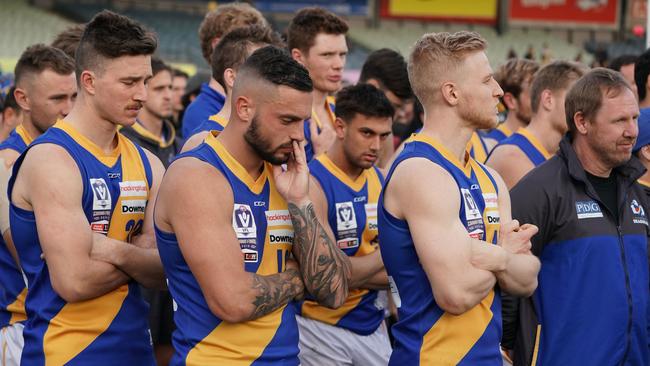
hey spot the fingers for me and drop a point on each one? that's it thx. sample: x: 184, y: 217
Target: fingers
x: 509, y: 226
x: 299, y: 152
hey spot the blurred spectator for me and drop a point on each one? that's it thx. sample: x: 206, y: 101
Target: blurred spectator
x: 179, y: 85
x: 530, y: 53
x: 625, y: 65
x: 642, y: 148
x: 641, y: 72
x: 68, y: 40
x: 11, y: 115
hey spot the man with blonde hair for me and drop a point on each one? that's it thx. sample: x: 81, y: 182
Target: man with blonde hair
x: 446, y: 249
x: 215, y: 25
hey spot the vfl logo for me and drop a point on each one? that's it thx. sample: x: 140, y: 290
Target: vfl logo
x: 243, y: 221
x: 101, y: 194
x: 471, y: 208
x: 345, y: 218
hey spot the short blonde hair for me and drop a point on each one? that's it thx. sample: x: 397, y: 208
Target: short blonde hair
x: 435, y: 56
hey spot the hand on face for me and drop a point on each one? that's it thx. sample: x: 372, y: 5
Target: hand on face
x: 293, y: 183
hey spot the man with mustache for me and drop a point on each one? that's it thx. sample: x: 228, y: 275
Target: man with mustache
x: 346, y: 186
x: 592, y: 305
x: 229, y: 217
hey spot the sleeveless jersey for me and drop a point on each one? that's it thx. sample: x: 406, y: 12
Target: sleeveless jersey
x: 110, y: 329
x: 12, y: 286
x: 529, y: 145
x: 215, y: 122
x: 476, y: 148
x: 309, y: 148
x: 501, y: 132
x: 425, y: 334
x: 263, y: 226
x: 352, y: 216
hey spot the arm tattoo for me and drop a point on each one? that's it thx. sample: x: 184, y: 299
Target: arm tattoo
x: 325, y: 268
x: 274, y: 291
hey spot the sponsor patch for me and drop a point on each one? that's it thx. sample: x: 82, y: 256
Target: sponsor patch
x: 371, y: 216
x: 101, y: 194
x: 250, y: 256
x: 588, y: 209
x: 281, y: 236
x: 476, y: 234
x: 133, y: 206
x: 472, y: 211
x: 491, y: 200
x: 638, y: 213
x: 347, y: 243
x: 278, y: 218
x: 243, y: 222
x: 359, y: 199
x: 133, y: 188
x: 492, y: 217
x: 99, y: 226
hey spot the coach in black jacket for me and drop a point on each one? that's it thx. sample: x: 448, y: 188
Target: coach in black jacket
x: 591, y: 306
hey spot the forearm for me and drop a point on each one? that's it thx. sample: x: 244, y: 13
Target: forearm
x: 378, y: 281
x: 98, y: 278
x: 520, y: 276
x: 142, y: 264
x: 271, y: 292
x: 364, y: 269
x: 325, y: 269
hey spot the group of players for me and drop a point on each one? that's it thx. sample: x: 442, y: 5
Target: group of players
x: 277, y: 231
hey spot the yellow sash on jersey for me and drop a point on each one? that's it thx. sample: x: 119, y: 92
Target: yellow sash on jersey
x: 22, y: 132
x: 476, y: 145
x: 17, y: 308
x: 329, y: 101
x: 219, y: 120
x: 535, y: 142
x: 311, y: 309
x: 242, y: 343
x: 503, y: 128
x: 77, y: 325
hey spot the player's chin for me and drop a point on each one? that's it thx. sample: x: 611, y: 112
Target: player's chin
x: 126, y: 122
x: 279, y: 158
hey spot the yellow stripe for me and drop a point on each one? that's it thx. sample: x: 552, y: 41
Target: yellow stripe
x: 269, y: 264
x: 328, y: 102
x: 22, y: 132
x: 219, y: 119
x: 535, y: 142
x: 142, y: 131
x: 503, y: 128
x: 236, y: 168
x: 17, y: 308
x: 355, y: 185
x: 77, y: 325
x: 466, y: 168
x: 476, y: 145
x: 107, y: 159
x: 453, y: 336
x: 536, y: 349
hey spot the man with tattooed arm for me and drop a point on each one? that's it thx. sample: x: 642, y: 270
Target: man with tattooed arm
x: 229, y: 216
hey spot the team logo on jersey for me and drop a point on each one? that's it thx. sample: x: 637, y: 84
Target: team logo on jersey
x: 243, y: 221
x: 101, y: 194
x: 345, y: 218
x: 588, y: 210
x: 638, y: 213
x: 472, y: 211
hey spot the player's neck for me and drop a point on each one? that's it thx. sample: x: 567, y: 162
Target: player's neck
x: 28, y: 125
x: 151, y: 122
x: 448, y: 129
x: 233, y: 140
x: 87, y: 122
x: 337, y: 156
x: 226, y: 109
x: 319, y: 98
x: 216, y: 86
x: 546, y: 133
x: 513, y: 123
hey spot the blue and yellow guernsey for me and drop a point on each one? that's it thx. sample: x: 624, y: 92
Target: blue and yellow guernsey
x: 501, y: 132
x: 425, y: 334
x: 476, y: 148
x: 214, y: 123
x: 12, y: 286
x: 261, y: 221
x: 309, y: 148
x: 352, y: 215
x: 529, y: 145
x: 110, y: 329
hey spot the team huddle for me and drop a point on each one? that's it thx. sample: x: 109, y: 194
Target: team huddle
x: 288, y: 230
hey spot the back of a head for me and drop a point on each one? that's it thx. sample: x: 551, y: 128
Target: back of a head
x: 273, y: 66
x: 10, y: 101
x: 308, y: 23
x: 641, y: 72
x: 233, y: 49
x: 68, y: 40
x: 109, y: 36
x: 557, y: 75
x: 512, y: 75
x: 37, y: 58
x: 224, y: 19
x: 587, y: 94
x: 363, y: 99
x: 436, y: 57
x: 388, y: 67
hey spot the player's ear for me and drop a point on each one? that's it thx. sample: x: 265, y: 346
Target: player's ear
x: 244, y: 108
x: 339, y: 127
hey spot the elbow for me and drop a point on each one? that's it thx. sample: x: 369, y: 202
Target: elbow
x: 455, y: 302
x: 71, y: 291
x: 228, y: 311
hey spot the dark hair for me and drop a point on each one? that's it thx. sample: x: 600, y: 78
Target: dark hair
x: 388, y: 67
x: 39, y: 57
x: 276, y: 66
x: 308, y: 23
x: 233, y: 49
x: 512, y: 75
x: 617, y: 63
x: 158, y: 65
x: 177, y: 73
x: 222, y: 20
x: 587, y: 94
x: 10, y: 101
x: 109, y: 35
x: 362, y: 99
x: 68, y: 40
x: 641, y: 72
x: 555, y: 76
